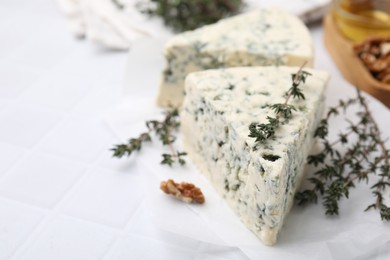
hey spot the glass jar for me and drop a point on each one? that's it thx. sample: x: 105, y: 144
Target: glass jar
x: 359, y: 19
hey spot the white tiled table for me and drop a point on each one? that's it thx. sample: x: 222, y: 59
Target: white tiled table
x: 62, y: 196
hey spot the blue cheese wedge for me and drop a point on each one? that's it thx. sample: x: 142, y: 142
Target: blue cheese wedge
x: 263, y: 37
x: 257, y: 180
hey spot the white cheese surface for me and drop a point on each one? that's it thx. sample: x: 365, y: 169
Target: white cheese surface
x: 263, y: 37
x: 257, y: 180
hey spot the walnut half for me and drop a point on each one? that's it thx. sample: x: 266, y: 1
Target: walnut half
x: 184, y: 191
x: 375, y: 55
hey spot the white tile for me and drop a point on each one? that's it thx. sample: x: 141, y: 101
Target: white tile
x: 60, y: 91
x: 15, y: 79
x: 16, y: 223
x: 30, y: 6
x: 117, y: 60
x: 77, y: 139
x: 106, y: 160
x: 107, y: 197
x: 26, y: 125
x: 9, y: 154
x: 67, y: 238
x: 44, y: 53
x: 4, y: 103
x: 139, y: 247
x: 40, y: 180
x: 19, y: 29
x: 97, y: 103
x: 11, y: 41
x: 98, y: 62
x: 6, y: 18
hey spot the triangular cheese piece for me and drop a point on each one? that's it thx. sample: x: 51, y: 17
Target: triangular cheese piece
x: 263, y: 37
x: 257, y: 180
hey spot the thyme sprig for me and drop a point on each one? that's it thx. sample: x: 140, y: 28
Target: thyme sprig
x: 164, y: 131
x: 183, y: 15
x: 359, y: 154
x: 264, y: 131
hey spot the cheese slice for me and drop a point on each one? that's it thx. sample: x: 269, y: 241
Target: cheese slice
x: 257, y: 180
x: 263, y: 37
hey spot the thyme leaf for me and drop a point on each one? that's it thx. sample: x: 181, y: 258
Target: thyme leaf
x: 264, y: 131
x: 183, y: 15
x: 164, y: 130
x: 358, y: 155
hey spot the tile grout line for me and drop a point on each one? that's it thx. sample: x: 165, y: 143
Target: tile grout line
x: 124, y: 231
x: 54, y: 211
x: 24, y: 204
x: 28, y: 151
x: 50, y: 213
x: 32, y: 150
x: 49, y: 216
x: 17, y: 101
x: 64, y: 115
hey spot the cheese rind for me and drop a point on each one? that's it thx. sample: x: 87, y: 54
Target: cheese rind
x: 257, y: 180
x: 263, y: 37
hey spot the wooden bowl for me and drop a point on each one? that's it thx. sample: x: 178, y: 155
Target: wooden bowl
x: 352, y: 68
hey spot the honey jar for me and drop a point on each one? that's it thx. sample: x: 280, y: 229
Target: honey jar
x: 360, y: 19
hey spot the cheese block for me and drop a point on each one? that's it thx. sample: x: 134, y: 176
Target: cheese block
x: 263, y: 37
x: 257, y: 180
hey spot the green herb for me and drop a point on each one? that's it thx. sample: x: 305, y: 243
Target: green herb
x: 172, y: 158
x: 264, y: 131
x: 134, y: 144
x: 358, y: 155
x: 183, y: 15
x: 164, y: 131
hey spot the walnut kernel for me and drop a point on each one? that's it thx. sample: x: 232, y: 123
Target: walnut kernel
x: 379, y: 65
x: 375, y: 55
x: 184, y: 191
